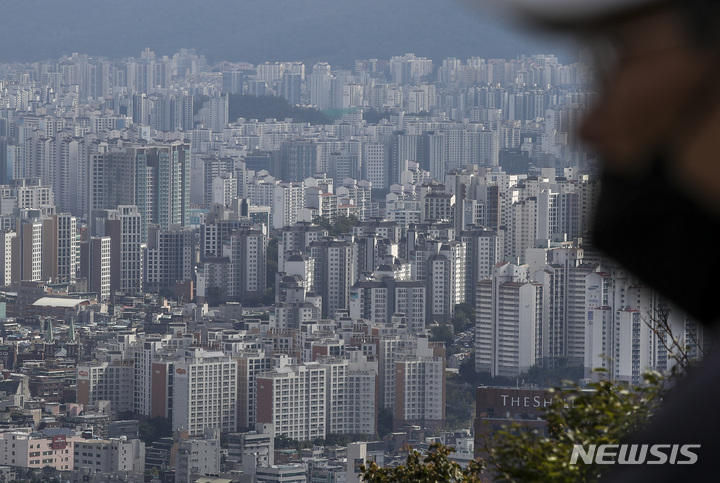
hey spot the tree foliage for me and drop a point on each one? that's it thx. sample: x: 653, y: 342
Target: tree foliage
x: 434, y: 467
x: 464, y: 317
x: 374, y: 116
x: 603, y: 413
x: 442, y: 333
x: 264, y: 107
x: 339, y: 225
x: 551, y: 377
x: 459, y: 404
x: 152, y: 429
x: 385, y: 422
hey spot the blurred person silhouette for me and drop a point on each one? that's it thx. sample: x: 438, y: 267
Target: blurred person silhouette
x: 656, y: 127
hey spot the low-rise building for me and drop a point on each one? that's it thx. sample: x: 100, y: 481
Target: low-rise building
x: 111, y: 456
x: 50, y: 447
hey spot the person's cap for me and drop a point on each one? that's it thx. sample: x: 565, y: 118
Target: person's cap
x: 568, y: 13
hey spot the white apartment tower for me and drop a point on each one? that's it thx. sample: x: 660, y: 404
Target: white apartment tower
x: 216, y: 113
x: 351, y: 395
x: 204, y: 391
x: 446, y: 286
x: 28, y: 251
x: 564, y: 306
x: 508, y: 325
x: 106, y: 381
x: 288, y: 198
x: 297, y: 237
x: 378, y: 300
x: 483, y: 252
x: 6, y: 238
x: 144, y: 352
x: 376, y: 159
x: 246, y: 250
x: 95, y: 263
x: 319, y: 82
x: 420, y: 392
x: 293, y: 398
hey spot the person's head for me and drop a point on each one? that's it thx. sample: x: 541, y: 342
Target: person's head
x: 651, y: 68
x: 653, y: 58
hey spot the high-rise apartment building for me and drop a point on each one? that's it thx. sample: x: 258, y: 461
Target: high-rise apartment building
x: 95, y: 263
x: 483, y: 252
x: 153, y: 177
x: 564, y: 316
x: 124, y: 228
x: 351, y: 394
x: 251, y: 363
x: 215, y: 112
x: 246, y: 249
x: 27, y: 248
x: 297, y: 237
x: 169, y: 257
x: 298, y: 160
x: 204, y: 391
x: 446, y: 280
x: 107, y: 381
x: 6, y: 238
x: 287, y: 200
x: 508, y: 322
x: 64, y: 228
x: 378, y: 300
x: 293, y: 398
x: 335, y: 273
x: 319, y: 82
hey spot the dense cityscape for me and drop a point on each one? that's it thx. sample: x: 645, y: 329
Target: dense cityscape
x: 278, y: 272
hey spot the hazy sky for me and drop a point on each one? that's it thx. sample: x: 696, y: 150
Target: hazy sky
x: 337, y: 31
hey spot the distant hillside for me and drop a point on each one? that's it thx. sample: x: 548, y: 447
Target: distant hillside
x: 337, y: 31
x: 264, y: 107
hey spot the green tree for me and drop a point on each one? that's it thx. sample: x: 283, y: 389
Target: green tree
x: 340, y: 225
x: 464, y: 317
x: 436, y: 466
x: 385, y: 422
x: 283, y: 442
x: 373, y: 116
x: 459, y: 404
x: 603, y: 413
x: 442, y: 333
x: 551, y: 377
x: 466, y: 310
x: 153, y: 429
x: 263, y: 107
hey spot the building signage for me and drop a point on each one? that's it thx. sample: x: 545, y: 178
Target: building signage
x: 59, y: 442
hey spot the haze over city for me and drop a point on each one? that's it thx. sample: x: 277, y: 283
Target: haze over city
x: 259, y: 30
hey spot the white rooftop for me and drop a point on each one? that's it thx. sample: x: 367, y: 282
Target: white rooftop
x: 58, y: 302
